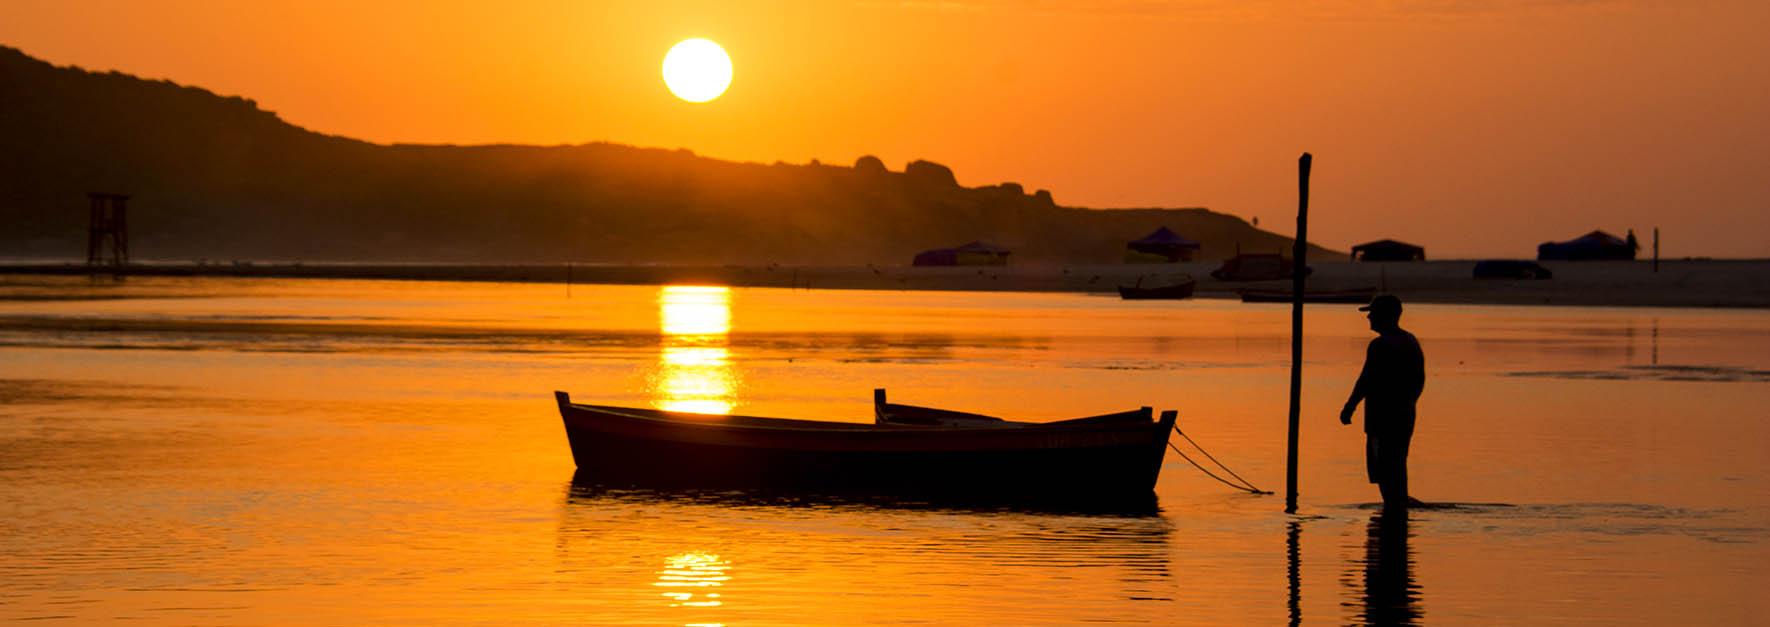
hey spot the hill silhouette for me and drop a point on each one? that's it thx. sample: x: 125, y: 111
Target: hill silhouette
x: 218, y: 177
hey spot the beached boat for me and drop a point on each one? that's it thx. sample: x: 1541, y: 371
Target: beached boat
x: 906, y: 450
x: 1172, y: 291
x: 1256, y: 267
x: 1357, y: 295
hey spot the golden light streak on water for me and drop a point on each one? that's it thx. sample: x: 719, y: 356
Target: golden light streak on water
x: 694, y: 369
x: 691, y: 571
x: 696, y: 380
x: 692, y: 310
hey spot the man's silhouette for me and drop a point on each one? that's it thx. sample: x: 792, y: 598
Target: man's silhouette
x: 1394, y: 373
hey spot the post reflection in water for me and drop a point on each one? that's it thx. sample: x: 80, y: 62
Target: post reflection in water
x: 1293, y: 537
x: 1390, y: 596
x: 694, y: 371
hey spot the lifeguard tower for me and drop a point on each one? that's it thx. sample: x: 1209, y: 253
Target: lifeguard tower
x: 107, y: 236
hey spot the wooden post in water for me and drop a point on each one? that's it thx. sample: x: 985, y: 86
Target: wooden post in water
x: 1299, y: 270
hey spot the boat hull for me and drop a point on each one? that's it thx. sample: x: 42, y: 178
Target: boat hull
x: 648, y: 448
x: 1166, y: 292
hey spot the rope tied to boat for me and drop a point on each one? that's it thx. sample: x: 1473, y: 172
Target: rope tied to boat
x: 1245, y: 485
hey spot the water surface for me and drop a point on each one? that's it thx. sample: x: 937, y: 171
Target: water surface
x: 216, y: 451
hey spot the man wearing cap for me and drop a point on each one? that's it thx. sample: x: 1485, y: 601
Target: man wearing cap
x: 1394, y: 373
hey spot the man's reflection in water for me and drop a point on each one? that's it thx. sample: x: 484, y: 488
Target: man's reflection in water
x: 1390, y: 595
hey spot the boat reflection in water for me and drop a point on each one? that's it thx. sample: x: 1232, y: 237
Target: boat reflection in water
x: 736, y: 557
x: 694, y: 371
x: 588, y: 486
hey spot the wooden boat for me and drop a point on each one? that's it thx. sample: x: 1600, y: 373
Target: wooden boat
x: 906, y: 450
x: 1174, y: 291
x: 1360, y: 295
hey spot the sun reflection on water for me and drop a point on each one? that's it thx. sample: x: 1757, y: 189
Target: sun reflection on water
x: 692, y: 310
x: 695, y: 379
x: 694, y: 370
x: 689, y: 578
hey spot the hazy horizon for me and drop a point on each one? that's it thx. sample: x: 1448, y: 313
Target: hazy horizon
x: 1475, y: 131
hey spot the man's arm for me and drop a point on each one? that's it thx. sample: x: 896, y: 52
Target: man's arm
x: 1361, y: 387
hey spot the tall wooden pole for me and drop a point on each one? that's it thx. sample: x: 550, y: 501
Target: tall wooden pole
x: 1299, y: 270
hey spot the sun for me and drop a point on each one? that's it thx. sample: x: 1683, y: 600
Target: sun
x: 697, y: 70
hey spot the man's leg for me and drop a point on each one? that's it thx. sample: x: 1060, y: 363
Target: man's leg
x: 1373, y: 463
x: 1393, y: 451
x: 1394, y: 489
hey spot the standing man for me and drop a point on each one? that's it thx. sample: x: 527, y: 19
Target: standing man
x: 1394, y: 373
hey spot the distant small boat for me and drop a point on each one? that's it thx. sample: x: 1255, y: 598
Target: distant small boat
x: 1360, y: 295
x: 906, y: 450
x: 1511, y: 269
x: 1172, y: 291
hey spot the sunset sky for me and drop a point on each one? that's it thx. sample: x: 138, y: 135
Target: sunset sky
x: 1474, y: 128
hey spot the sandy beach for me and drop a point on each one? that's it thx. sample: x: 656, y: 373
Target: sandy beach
x: 1687, y: 283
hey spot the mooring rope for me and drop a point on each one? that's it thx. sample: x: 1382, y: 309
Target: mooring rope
x: 1211, y: 474
x: 1219, y: 464
x: 1245, y: 485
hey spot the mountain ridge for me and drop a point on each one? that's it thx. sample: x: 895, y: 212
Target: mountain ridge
x: 219, y: 177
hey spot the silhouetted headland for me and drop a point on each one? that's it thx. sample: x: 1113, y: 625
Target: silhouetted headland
x: 215, y: 177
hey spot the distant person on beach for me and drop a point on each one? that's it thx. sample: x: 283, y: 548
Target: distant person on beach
x: 1394, y: 373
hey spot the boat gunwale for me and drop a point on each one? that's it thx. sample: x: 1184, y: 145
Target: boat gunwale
x: 764, y: 423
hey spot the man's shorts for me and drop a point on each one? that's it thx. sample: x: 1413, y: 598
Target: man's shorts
x: 1385, y: 456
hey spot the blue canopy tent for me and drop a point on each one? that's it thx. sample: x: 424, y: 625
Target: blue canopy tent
x: 1160, y: 246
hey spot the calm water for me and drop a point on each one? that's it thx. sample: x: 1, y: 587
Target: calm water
x: 265, y: 451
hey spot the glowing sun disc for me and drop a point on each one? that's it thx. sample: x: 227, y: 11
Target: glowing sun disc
x: 697, y: 70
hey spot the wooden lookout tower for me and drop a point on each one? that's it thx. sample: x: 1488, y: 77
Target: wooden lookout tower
x: 109, y: 228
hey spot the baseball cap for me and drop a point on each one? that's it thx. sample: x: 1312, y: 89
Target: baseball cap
x: 1383, y: 302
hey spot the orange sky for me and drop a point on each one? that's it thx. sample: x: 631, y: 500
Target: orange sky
x: 1472, y: 127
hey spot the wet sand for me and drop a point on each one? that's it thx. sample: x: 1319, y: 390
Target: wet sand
x: 1698, y: 283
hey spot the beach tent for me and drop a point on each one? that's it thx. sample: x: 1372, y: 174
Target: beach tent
x: 1388, y: 250
x: 1593, y: 245
x: 937, y: 257
x: 1161, y: 246
x: 972, y: 254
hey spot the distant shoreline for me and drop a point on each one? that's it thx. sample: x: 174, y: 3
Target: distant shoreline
x: 1684, y: 283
